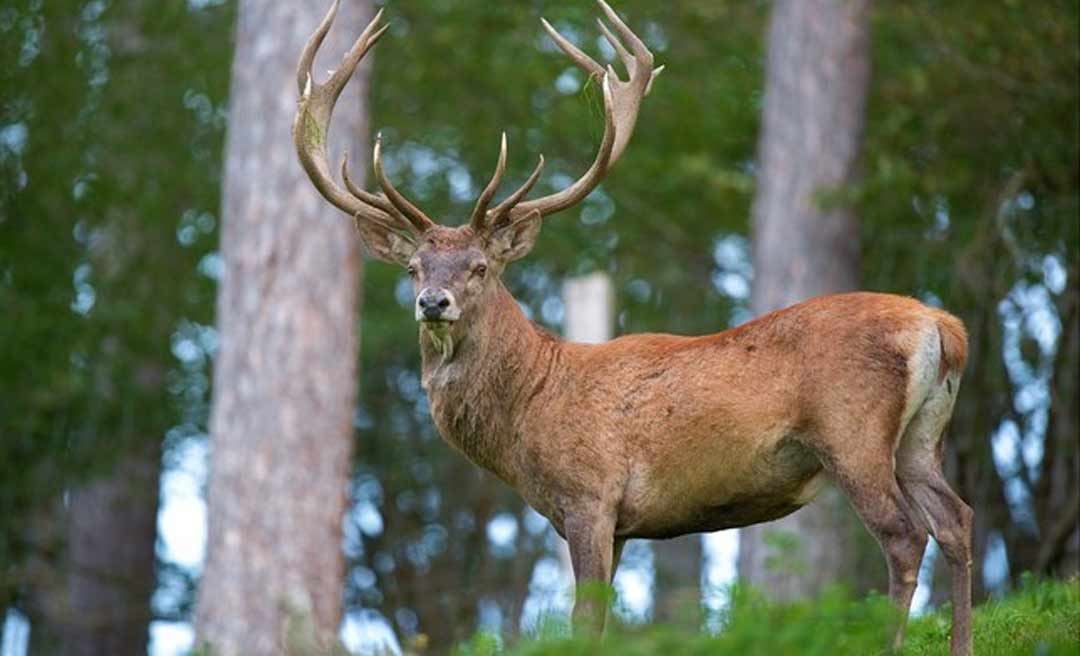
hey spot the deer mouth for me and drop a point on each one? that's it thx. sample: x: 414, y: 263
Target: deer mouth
x: 440, y: 325
x: 438, y: 331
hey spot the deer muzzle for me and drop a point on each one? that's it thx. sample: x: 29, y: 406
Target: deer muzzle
x: 436, y: 305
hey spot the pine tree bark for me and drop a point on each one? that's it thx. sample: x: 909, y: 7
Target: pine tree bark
x: 804, y: 244
x: 285, y: 380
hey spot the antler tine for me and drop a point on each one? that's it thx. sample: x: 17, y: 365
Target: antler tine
x: 338, y: 78
x: 480, y: 210
x: 363, y: 194
x: 410, y: 211
x: 367, y: 40
x: 641, y: 55
x: 503, y: 209
x: 312, y: 123
x: 641, y: 51
x: 585, y: 62
x: 624, y: 54
x: 307, y: 55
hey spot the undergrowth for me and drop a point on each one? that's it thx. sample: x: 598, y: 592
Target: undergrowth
x: 1041, y: 618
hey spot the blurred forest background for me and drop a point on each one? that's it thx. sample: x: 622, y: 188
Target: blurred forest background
x: 113, y: 125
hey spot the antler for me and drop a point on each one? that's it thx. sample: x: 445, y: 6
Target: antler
x: 480, y: 216
x: 622, y: 100
x: 312, y: 124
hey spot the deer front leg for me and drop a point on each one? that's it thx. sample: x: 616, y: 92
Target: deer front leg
x: 591, y: 537
x: 616, y: 556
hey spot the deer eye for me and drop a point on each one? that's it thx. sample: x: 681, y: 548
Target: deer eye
x: 412, y: 270
x: 480, y: 270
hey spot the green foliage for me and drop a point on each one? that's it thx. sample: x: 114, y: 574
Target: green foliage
x: 972, y: 104
x: 1041, y: 618
x: 784, y: 553
x: 110, y: 173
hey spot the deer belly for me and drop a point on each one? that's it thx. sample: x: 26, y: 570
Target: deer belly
x: 738, y: 494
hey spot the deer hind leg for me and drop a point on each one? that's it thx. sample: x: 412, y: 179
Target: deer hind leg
x: 949, y: 519
x: 950, y: 522
x: 862, y: 467
x: 881, y: 505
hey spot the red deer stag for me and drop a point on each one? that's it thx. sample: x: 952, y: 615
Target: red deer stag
x: 651, y: 435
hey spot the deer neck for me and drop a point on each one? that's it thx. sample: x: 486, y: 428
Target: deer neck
x: 477, y: 378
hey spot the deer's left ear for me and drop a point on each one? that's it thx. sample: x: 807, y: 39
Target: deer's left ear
x: 514, y: 240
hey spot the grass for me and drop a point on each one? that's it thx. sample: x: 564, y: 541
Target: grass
x: 1041, y: 618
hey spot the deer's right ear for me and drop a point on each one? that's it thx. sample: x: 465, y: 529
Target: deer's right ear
x: 385, y: 244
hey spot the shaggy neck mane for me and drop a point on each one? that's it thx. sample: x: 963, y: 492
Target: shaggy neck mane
x: 495, y: 366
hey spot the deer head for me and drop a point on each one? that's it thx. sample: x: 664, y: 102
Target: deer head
x: 454, y: 268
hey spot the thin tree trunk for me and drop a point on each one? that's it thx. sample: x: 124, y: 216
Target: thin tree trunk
x: 285, y: 382
x: 111, y: 527
x: 43, y: 603
x: 92, y: 571
x: 805, y: 245
x: 677, y: 591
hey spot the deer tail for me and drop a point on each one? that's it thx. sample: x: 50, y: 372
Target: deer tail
x: 954, y: 343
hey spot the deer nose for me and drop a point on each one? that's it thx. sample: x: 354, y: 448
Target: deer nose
x: 432, y: 302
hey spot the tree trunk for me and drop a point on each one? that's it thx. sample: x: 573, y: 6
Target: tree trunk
x: 286, y: 375
x: 805, y: 245
x: 92, y: 570
x: 677, y: 591
x: 111, y: 526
